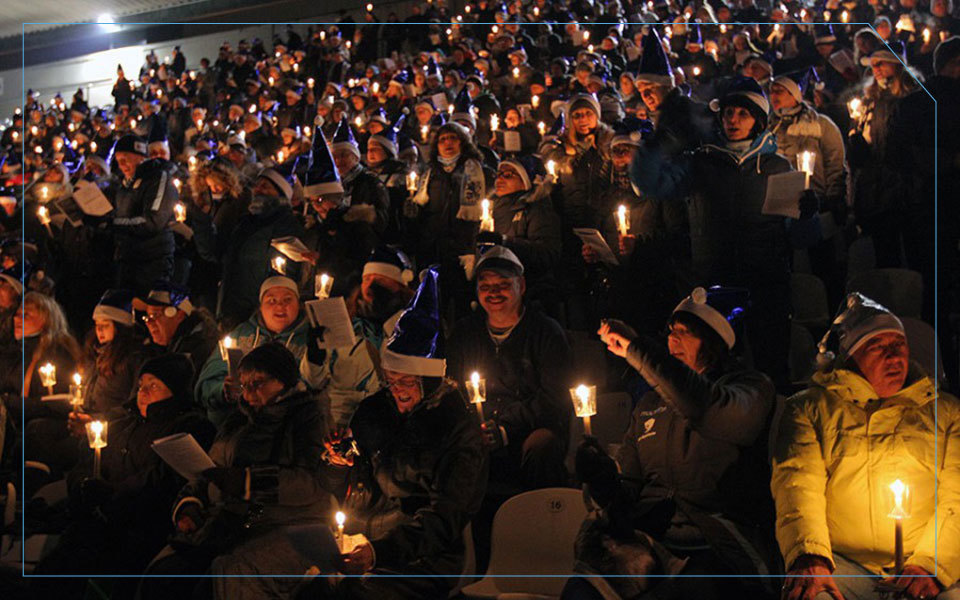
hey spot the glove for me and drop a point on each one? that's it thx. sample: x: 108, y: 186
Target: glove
x: 232, y: 481
x: 489, y: 238
x: 597, y: 470
x: 494, y: 436
x: 315, y: 353
x: 809, y: 204
x: 94, y: 492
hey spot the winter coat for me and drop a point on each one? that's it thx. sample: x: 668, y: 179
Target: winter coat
x: 141, y: 485
x: 344, y: 241
x: 363, y: 187
x: 393, y: 175
x: 248, y: 335
x: 839, y: 448
x: 33, y: 407
x: 143, y: 208
x: 195, y: 337
x: 418, y: 481
x: 247, y: 260
x: 808, y: 130
x: 281, y: 445
x: 580, y: 186
x: 527, y: 374
x: 696, y: 447
x: 106, y: 394
x: 531, y: 229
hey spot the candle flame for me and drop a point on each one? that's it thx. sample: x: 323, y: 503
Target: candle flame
x: 77, y: 379
x: 583, y: 393
x: 341, y: 518
x: 97, y: 428
x: 279, y: 264
x: 229, y: 342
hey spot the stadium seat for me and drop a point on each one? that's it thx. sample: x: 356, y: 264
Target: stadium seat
x: 925, y: 347
x: 861, y: 256
x: 900, y: 290
x: 808, y: 297
x: 533, y: 534
x: 803, y: 353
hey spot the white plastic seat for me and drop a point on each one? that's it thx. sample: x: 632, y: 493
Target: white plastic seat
x: 533, y: 534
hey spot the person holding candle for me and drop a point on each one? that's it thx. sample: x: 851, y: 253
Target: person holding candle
x: 421, y: 471
x: 246, y: 261
x: 800, y: 128
x: 867, y: 420
x: 230, y: 522
x: 176, y: 325
x: 360, y: 186
x: 382, y: 160
x: 143, y: 208
x: 119, y: 520
x: 280, y: 319
x: 692, y: 471
x: 525, y: 357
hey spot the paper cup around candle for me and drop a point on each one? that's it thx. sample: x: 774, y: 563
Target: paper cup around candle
x: 322, y: 285
x: 585, y: 404
x: 180, y: 211
x: 226, y: 344
x: 279, y: 264
x: 623, y: 220
x: 477, y: 392
x: 97, y: 434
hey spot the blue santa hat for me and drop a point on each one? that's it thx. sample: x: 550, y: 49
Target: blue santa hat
x: 823, y: 34
x: 530, y: 168
x: 390, y: 262
x: 745, y: 92
x: 322, y: 177
x: 343, y: 138
x: 169, y: 295
x: 117, y: 306
x: 721, y: 308
x: 462, y: 108
x: 797, y: 83
x: 388, y: 138
x: 631, y: 130
x: 281, y: 176
x: 379, y: 116
x: 413, y: 347
x: 654, y: 66
x: 433, y: 69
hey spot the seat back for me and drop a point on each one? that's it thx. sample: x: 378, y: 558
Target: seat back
x: 861, y: 256
x: 924, y: 347
x: 534, y: 534
x: 803, y: 353
x: 808, y: 296
x: 900, y: 290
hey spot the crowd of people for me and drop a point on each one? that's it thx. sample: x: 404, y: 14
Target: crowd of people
x: 490, y: 190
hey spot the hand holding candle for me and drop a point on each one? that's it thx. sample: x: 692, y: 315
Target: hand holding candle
x: 585, y: 404
x: 477, y: 391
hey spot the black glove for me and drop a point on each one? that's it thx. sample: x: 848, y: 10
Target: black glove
x: 596, y: 469
x: 315, y: 353
x: 231, y: 480
x: 94, y: 492
x: 489, y: 238
x: 493, y: 436
x: 809, y: 204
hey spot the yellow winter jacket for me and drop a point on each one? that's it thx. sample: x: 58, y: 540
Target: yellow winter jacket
x: 834, y: 460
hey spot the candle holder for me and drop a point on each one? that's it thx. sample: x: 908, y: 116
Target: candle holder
x: 477, y: 392
x: 585, y: 404
x: 412, y: 182
x: 279, y: 265
x: 486, y: 218
x: 322, y: 284
x: 805, y: 162
x: 180, y: 211
x: 97, y: 438
x: 552, y: 170
x: 48, y: 377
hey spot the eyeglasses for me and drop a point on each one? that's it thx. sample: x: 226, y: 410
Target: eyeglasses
x: 254, y: 386
x: 149, y: 388
x: 148, y: 318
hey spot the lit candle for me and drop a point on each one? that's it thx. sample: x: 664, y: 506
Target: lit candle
x: 424, y: 131
x: 376, y: 87
x: 43, y: 214
x: 585, y: 404
x: 696, y: 71
x: 192, y: 163
x: 369, y: 7
x: 623, y: 219
x: 322, y: 285
x: 76, y: 393
x: 552, y: 169
x: 180, y: 211
x: 280, y: 157
x: 586, y: 36
x: 226, y: 344
x: 38, y: 149
x: 855, y: 106
x: 48, y: 377
x: 310, y: 83
x: 450, y: 109
x: 16, y: 135
x: 723, y: 29
x: 826, y: 16
x: 589, y: 47
x: 97, y: 438
x: 536, y: 11
x: 495, y: 29
x: 845, y: 16
x: 667, y: 32
x: 270, y: 81
x: 494, y: 122
x: 199, y: 124
x: 412, y: 182
x: 358, y: 121
x: 901, y: 495
x: 177, y: 184
x: 253, y: 107
x: 296, y: 67
x: 805, y: 161
x: 341, y: 519
x: 477, y: 391
x: 926, y: 35
x: 535, y: 101
x: 279, y: 265
x: 516, y: 72
x: 542, y: 128
x: 486, y: 219
x: 159, y: 93
x: 93, y: 146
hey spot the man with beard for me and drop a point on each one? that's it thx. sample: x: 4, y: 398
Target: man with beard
x: 347, y: 375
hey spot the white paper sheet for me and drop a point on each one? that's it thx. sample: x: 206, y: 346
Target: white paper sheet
x: 511, y: 141
x: 90, y: 199
x: 291, y: 247
x: 182, y: 452
x: 592, y: 238
x: 332, y: 314
x: 783, y: 194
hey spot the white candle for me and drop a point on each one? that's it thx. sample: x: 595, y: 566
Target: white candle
x: 552, y: 169
x: 412, y: 182
x: 180, y: 211
x: 280, y: 157
x: 623, y: 224
x: 585, y: 404
x: 535, y: 101
x: 280, y: 265
x: 486, y: 219
x: 48, y: 377
x: 516, y: 72
x: 542, y: 128
x: 76, y: 392
x: 901, y: 494
x: 806, y: 160
x: 477, y: 390
x: 341, y: 519
x: 322, y: 285
x: 855, y: 106
x: 424, y: 130
x: 96, y: 436
x: 494, y: 122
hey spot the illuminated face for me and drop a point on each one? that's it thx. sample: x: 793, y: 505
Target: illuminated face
x: 161, y: 326
x: 622, y: 155
x: 448, y: 144
x: 279, y: 309
x: 105, y: 330
x: 584, y: 120
x: 259, y: 388
x: 508, y: 180
x: 683, y: 345
x: 28, y: 322
x: 9, y: 298
x: 264, y: 187
x: 129, y: 161
x: 652, y: 94
x: 883, y: 69
x: 780, y: 98
x: 345, y: 160
x: 499, y: 295
x: 883, y: 360
x: 375, y: 153
x: 150, y: 390
x: 407, y: 390
x: 737, y: 123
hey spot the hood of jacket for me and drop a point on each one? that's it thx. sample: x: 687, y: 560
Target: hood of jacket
x: 853, y: 387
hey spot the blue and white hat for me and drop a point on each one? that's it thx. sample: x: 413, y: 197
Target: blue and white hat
x: 166, y: 294
x: 462, y: 108
x: 282, y: 179
x: 390, y: 262
x: 654, y: 66
x: 117, y: 306
x: 722, y: 308
x: 343, y: 138
x: 413, y: 349
x: 322, y: 177
x: 388, y: 137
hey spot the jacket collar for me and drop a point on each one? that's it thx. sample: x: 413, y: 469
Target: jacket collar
x: 765, y: 143
x: 158, y: 410
x: 919, y: 389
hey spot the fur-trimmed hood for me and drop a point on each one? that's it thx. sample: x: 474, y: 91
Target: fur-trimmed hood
x: 361, y: 213
x: 805, y: 123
